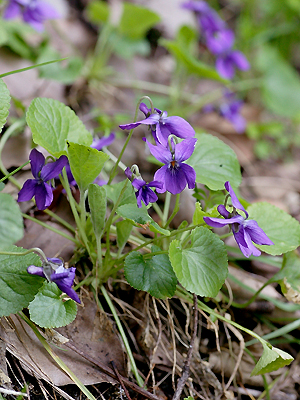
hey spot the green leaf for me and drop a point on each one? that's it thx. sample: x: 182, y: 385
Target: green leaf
x: 199, y: 214
x: 4, y: 103
x: 202, y: 268
x: 97, y: 203
x: 86, y: 163
x: 17, y: 287
x: 124, y: 229
x: 136, y: 20
x: 66, y: 74
x: 281, y: 83
x: 281, y: 228
x: 215, y: 163
x: 193, y: 65
x: 11, y: 221
x: 113, y: 192
x: 3, y: 33
x: 140, y: 217
x: 187, y: 37
x: 52, y: 123
x: 126, y: 48
x: 153, y: 275
x: 17, y: 33
x: 98, y: 11
x: 271, y: 360
x: 48, y: 310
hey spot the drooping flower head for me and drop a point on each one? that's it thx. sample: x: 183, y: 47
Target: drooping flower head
x: 33, y: 12
x: 54, y: 271
x: 175, y: 174
x: 245, y: 230
x: 163, y: 126
x: 143, y: 189
x: 42, y: 173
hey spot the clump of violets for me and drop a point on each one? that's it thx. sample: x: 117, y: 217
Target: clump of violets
x: 54, y: 271
x: 230, y: 109
x: 143, y: 189
x: 33, y: 12
x: 42, y: 172
x: 219, y: 39
x: 162, y: 126
x: 174, y: 174
x: 245, y: 231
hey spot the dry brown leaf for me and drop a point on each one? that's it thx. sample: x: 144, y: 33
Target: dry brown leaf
x: 90, y: 333
x: 252, y: 280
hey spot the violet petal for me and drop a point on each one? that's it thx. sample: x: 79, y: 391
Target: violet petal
x: 159, y: 152
x: 37, y: 161
x: 33, y: 270
x: 43, y: 196
x: 256, y: 234
x: 185, y: 149
x: 234, y: 200
x: 28, y: 190
x: 51, y: 170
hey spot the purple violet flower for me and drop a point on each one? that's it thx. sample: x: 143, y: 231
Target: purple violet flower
x: 228, y: 61
x: 54, y: 271
x: 209, y: 19
x: 163, y: 126
x: 42, y: 173
x: 143, y: 191
x: 219, y: 39
x: 245, y: 230
x: 34, y: 12
x: 175, y: 174
x: 103, y: 142
x: 230, y: 110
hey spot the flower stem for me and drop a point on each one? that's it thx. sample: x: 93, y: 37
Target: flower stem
x: 32, y: 250
x: 110, y: 218
x: 14, y: 171
x: 158, y: 210
x: 82, y: 209
x: 60, y: 220
x: 122, y: 333
x: 114, y: 159
x: 113, y: 172
x: 65, y: 183
x: 166, y: 208
x: 175, y: 211
x: 51, y: 228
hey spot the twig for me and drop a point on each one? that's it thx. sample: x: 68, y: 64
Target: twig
x: 12, y: 392
x: 186, y: 368
x: 120, y: 379
x: 240, y: 355
x: 108, y: 371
